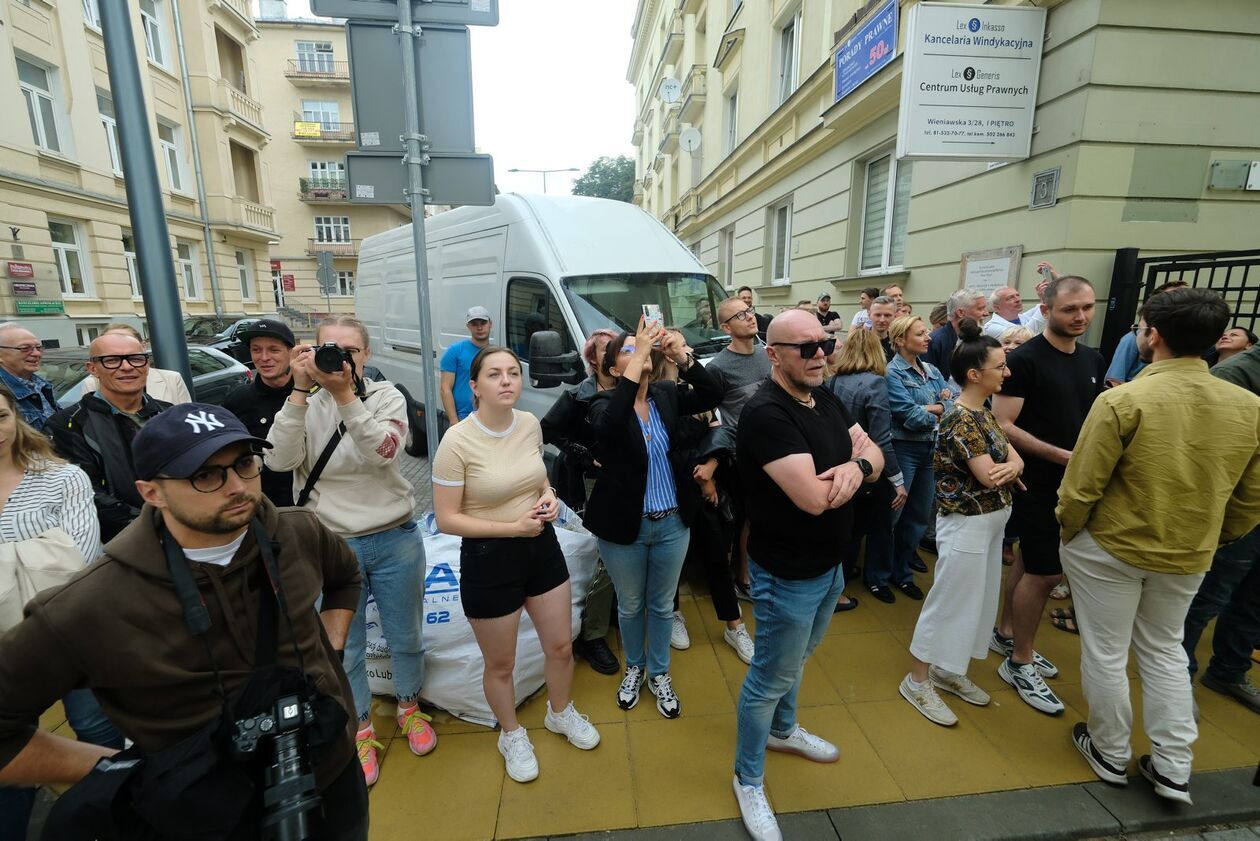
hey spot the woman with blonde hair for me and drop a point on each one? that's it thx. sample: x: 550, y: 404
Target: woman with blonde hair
x: 858, y: 379
x: 1014, y: 336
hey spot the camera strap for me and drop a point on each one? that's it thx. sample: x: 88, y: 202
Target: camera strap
x: 320, y: 463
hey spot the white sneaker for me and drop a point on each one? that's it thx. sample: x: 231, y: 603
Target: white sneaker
x: 999, y: 644
x: 571, y: 724
x: 959, y: 685
x: 740, y: 640
x: 518, y: 755
x: 1031, y: 688
x: 628, y: 691
x: 678, y: 636
x: 755, y: 809
x: 803, y: 743
x: 926, y: 701
x: 667, y: 703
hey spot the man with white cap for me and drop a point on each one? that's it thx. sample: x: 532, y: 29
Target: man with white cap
x: 457, y: 397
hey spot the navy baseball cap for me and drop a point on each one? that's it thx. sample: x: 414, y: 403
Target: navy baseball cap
x: 177, y: 442
x: 268, y: 327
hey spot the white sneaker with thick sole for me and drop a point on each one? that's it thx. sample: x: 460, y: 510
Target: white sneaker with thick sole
x: 628, y: 691
x: 667, y: 703
x: 518, y: 755
x: 574, y: 726
x: 803, y: 743
x: 925, y: 700
x: 754, y: 806
x: 678, y: 636
x: 959, y: 685
x: 740, y: 640
x: 999, y: 644
x: 1028, y: 684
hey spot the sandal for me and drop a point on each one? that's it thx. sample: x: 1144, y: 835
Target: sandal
x: 1064, y: 620
x: 1061, y: 592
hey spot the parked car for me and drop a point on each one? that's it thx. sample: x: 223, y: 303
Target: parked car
x: 214, y: 373
x: 221, y: 334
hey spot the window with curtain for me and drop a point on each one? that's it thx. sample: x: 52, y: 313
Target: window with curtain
x: 885, y: 209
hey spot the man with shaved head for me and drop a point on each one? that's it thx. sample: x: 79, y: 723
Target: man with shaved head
x: 96, y: 433
x: 802, y: 458
x: 20, y: 354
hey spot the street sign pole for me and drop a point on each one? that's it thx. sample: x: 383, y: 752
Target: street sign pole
x: 414, y: 162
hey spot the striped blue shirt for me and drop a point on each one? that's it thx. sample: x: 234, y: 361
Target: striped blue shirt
x: 660, y: 494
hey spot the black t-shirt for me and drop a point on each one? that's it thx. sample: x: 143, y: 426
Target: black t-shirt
x: 255, y: 403
x: 1058, y: 390
x: 783, y: 539
x: 827, y: 317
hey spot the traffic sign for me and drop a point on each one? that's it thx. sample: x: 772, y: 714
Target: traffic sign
x: 444, y: 71
x: 324, y: 272
x: 462, y: 12
x: 378, y: 178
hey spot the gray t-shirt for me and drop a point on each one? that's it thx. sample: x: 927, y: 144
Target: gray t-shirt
x: 740, y: 375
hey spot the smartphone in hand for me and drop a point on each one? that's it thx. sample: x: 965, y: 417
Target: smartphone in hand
x: 652, y: 315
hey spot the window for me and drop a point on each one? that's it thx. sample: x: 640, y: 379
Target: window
x: 154, y: 37
x: 245, y: 271
x: 186, y: 269
x: 105, y: 107
x: 92, y: 14
x: 324, y: 112
x: 129, y: 255
x: 781, y: 242
x: 41, y: 108
x: 200, y: 363
x: 315, y: 56
x: 327, y: 173
x: 332, y: 228
x: 88, y: 333
x: 345, y: 284
x: 68, y: 257
x: 531, y: 308
x: 884, y: 233
x: 168, y: 139
x: 732, y: 121
x: 789, y: 53
x: 726, y: 257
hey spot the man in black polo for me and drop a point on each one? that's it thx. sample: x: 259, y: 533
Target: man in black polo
x: 256, y: 403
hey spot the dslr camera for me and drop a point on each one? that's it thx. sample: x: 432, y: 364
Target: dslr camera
x: 289, y: 795
x: 330, y: 356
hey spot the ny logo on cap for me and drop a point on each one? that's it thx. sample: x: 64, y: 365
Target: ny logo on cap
x: 203, y: 418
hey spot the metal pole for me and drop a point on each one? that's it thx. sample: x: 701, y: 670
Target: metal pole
x: 544, y: 174
x: 144, y: 193
x: 414, y: 162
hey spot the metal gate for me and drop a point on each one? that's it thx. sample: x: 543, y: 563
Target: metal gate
x: 1235, y: 274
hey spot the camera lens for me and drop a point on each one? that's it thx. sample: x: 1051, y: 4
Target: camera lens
x: 329, y: 358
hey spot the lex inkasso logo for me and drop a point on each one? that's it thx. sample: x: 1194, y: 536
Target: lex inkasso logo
x: 974, y: 24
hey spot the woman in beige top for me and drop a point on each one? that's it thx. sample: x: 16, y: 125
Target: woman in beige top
x: 490, y: 488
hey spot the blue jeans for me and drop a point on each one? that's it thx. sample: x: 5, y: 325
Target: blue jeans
x: 88, y: 720
x: 1232, y: 590
x: 392, y: 565
x: 645, y: 575
x: 911, y: 521
x: 792, y: 617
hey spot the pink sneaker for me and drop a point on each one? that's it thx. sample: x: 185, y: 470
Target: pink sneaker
x: 367, y: 746
x: 421, y: 737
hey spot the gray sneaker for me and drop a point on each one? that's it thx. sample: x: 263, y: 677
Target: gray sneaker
x: 1245, y: 692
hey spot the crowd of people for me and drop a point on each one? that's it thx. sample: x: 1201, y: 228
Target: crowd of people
x: 197, y: 566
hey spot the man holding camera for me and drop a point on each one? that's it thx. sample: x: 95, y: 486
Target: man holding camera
x: 199, y: 616
x: 342, y: 441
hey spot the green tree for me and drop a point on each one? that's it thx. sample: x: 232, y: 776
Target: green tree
x: 607, y: 178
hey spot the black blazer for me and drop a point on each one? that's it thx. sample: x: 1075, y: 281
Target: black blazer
x: 615, y: 509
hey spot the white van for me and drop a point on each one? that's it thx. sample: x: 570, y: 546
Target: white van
x: 540, y: 264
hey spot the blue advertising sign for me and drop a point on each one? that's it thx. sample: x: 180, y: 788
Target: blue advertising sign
x: 867, y: 50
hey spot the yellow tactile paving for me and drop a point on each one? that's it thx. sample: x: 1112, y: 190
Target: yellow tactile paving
x: 682, y: 769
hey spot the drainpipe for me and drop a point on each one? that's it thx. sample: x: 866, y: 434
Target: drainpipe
x: 206, y: 232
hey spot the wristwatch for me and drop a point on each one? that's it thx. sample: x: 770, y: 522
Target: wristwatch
x: 865, y: 467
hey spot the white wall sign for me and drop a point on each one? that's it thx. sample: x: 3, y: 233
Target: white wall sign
x: 969, y: 83
x: 987, y: 271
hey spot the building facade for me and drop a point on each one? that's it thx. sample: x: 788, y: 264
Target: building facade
x: 795, y: 193
x: 66, y: 240
x: 306, y: 88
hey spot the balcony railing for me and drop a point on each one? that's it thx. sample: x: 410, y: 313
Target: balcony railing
x: 343, y: 248
x: 693, y: 93
x: 321, y: 131
x: 245, y: 108
x: 317, y: 190
x: 317, y: 70
x: 256, y: 215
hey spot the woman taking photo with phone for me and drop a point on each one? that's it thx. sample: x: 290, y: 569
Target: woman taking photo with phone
x: 490, y: 488
x: 643, y: 502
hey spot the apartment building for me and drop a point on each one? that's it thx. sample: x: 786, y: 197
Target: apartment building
x: 306, y: 90
x: 65, y: 240
x: 796, y: 192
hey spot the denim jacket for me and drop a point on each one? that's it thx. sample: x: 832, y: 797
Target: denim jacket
x: 35, y: 399
x: 908, y: 393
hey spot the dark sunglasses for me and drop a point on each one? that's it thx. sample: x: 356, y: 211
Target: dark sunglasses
x: 810, y: 349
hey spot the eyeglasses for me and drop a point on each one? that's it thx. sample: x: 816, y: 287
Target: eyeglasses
x: 748, y: 313
x: 810, y: 349
x: 114, y: 361
x: 24, y: 349
x: 1001, y: 366
x: 211, y: 477
x: 627, y: 349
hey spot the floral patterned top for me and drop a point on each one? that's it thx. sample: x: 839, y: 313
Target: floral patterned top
x: 965, y: 434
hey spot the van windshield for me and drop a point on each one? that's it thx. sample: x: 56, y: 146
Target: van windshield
x: 687, y: 301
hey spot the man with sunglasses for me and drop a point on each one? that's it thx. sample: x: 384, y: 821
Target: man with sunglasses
x: 96, y: 433
x: 802, y: 458
x: 20, y: 354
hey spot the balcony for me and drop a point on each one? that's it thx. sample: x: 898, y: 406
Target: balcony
x: 673, y: 40
x: 637, y: 137
x: 669, y: 135
x: 240, y: 9
x: 638, y: 191
x: 242, y: 109
x: 322, y: 132
x: 689, y: 7
x: 306, y: 72
x: 688, y: 207
x: 693, y: 94
x: 323, y: 190
x: 344, y: 248
x: 243, y: 214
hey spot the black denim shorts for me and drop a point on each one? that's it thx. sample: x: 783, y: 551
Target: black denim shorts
x: 497, y: 574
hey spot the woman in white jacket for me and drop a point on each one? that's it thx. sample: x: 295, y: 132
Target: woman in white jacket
x: 361, y: 495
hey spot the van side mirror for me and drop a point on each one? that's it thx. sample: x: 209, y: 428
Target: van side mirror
x: 549, y: 363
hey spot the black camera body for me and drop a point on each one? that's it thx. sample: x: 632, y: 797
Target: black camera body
x: 329, y: 358
x: 289, y: 795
